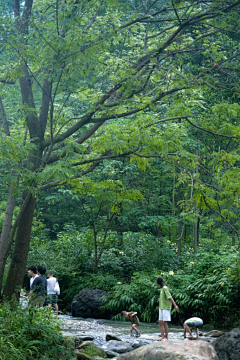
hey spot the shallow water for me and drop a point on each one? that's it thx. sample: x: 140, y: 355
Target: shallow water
x: 99, y: 328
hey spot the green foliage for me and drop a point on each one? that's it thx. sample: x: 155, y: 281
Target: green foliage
x: 208, y: 286
x: 31, y: 333
x: 140, y: 295
x: 115, y: 64
x: 71, y: 257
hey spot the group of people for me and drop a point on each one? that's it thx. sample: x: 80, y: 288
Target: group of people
x: 43, y: 290
x: 165, y: 305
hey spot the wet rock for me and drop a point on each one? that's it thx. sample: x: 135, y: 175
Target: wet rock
x: 111, y: 354
x: 138, y: 344
x: 119, y: 347
x: 184, y: 350
x: 86, y: 338
x: 86, y: 344
x: 228, y: 345
x: 112, y: 337
x: 214, y: 333
x: 88, y: 302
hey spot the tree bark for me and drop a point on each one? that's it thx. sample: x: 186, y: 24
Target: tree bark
x: 5, y: 240
x: 179, y: 224
x: 20, y: 252
x: 233, y: 237
x: 196, y: 229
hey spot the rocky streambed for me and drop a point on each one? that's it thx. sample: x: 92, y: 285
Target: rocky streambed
x: 114, y: 337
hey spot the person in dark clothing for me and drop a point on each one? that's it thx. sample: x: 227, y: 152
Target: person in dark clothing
x: 32, y: 271
x: 39, y: 288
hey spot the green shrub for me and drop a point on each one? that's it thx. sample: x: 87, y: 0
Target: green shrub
x: 140, y: 295
x: 31, y: 334
x: 207, y: 286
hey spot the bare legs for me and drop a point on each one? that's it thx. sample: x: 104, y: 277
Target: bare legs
x: 187, y: 328
x: 163, y: 325
x: 55, y: 307
x: 134, y: 327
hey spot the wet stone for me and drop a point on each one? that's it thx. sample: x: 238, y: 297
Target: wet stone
x: 111, y: 354
x: 112, y: 337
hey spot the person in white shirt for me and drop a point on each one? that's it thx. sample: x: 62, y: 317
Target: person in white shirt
x: 52, y: 296
x: 32, y: 271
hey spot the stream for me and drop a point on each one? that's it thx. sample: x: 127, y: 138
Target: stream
x: 96, y: 330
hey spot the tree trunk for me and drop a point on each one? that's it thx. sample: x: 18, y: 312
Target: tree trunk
x: 185, y: 232
x: 18, y: 264
x: 5, y: 240
x: 196, y: 230
x: 95, y: 252
x: 233, y: 237
x: 179, y: 224
x: 98, y: 254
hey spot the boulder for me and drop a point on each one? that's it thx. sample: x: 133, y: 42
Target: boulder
x: 174, y: 350
x: 86, y: 338
x: 228, y: 345
x: 119, y: 347
x: 139, y: 343
x: 86, y: 344
x: 88, y: 348
x: 112, y: 337
x: 111, y: 354
x: 214, y: 333
x: 82, y: 356
x: 87, y: 304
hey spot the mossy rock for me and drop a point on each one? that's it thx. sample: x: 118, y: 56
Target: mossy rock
x: 82, y: 356
x: 90, y: 349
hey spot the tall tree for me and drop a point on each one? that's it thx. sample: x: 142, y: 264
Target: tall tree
x: 82, y: 64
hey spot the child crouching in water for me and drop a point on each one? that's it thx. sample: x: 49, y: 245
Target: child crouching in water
x: 132, y: 316
x: 192, y: 323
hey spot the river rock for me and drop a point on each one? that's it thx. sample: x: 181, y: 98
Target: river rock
x: 175, y: 350
x: 90, y: 349
x: 112, y: 337
x: 214, y: 333
x: 139, y: 343
x: 228, y: 345
x: 119, y: 347
x: 82, y: 356
x: 86, y: 344
x: 86, y: 338
x: 111, y: 354
x: 87, y: 304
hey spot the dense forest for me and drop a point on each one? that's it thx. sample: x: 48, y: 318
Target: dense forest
x: 119, y: 151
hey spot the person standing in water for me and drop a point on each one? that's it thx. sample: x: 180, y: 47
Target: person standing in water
x: 52, y: 296
x: 165, y: 306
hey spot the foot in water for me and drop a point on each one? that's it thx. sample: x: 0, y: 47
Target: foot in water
x: 137, y: 335
x: 162, y: 339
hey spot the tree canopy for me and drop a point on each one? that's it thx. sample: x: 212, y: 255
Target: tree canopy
x: 94, y: 94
